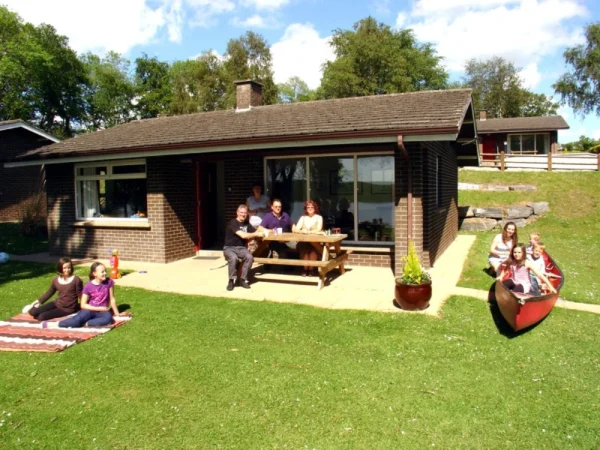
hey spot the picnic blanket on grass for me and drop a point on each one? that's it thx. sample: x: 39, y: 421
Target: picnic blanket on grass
x: 22, y: 333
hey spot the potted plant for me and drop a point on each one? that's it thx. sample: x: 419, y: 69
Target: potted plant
x: 413, y: 288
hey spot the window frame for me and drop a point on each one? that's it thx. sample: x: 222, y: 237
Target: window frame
x: 109, y: 176
x: 354, y: 156
x: 520, y: 135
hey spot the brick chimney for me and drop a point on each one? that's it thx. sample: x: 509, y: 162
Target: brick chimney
x: 248, y: 94
x: 482, y: 115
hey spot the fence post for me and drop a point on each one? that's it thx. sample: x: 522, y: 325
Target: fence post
x: 549, y: 162
x: 598, y: 164
x: 502, y: 161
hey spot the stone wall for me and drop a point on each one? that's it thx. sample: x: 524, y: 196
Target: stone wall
x: 486, y: 219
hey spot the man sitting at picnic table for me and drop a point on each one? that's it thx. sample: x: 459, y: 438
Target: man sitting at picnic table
x: 280, y: 222
x: 237, y: 233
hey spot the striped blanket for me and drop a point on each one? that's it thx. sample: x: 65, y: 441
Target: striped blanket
x: 23, y: 333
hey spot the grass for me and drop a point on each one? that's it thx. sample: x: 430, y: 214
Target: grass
x: 571, y: 231
x: 198, y: 372
x: 11, y: 241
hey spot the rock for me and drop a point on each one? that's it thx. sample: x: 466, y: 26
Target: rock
x: 493, y: 187
x: 522, y: 187
x: 468, y: 187
x: 518, y: 212
x: 465, y: 211
x: 478, y: 224
x: 520, y: 223
x: 540, y: 208
x: 490, y: 213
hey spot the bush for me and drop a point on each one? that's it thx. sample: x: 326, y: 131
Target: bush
x: 33, y: 219
x: 412, y: 272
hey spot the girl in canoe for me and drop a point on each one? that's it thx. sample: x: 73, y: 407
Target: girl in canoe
x: 502, y: 244
x: 519, y: 269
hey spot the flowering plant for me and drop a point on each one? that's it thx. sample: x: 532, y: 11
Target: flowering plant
x: 412, y: 272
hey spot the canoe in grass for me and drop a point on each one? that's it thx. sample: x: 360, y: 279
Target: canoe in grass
x: 523, y: 310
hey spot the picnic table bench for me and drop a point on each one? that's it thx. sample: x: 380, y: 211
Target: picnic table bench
x: 325, y: 245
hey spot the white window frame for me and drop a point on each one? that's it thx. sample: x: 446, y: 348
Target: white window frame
x: 520, y: 149
x: 109, y: 176
x: 353, y: 155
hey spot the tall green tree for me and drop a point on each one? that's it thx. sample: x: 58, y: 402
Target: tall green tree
x: 110, y: 91
x: 372, y: 59
x: 41, y: 78
x: 249, y: 57
x: 295, y: 90
x: 498, y: 88
x: 153, y: 87
x: 580, y: 88
x: 198, y: 85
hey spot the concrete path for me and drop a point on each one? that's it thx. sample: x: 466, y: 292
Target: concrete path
x: 360, y: 288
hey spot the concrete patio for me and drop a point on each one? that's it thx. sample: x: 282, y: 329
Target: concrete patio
x: 361, y: 288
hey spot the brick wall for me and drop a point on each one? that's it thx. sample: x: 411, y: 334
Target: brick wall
x: 358, y: 258
x: 170, y: 201
x: 439, y: 221
x: 18, y: 185
x: 241, y: 172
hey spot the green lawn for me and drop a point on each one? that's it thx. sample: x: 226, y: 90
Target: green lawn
x: 11, y: 241
x: 197, y: 372
x: 571, y: 231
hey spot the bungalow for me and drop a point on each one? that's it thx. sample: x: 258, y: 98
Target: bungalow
x: 19, y: 186
x: 161, y: 189
x: 519, y: 135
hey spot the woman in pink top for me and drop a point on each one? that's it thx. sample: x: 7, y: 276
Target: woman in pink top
x: 518, y: 268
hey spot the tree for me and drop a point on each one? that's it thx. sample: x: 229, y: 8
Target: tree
x: 295, y: 90
x: 249, y: 57
x: 372, y: 59
x: 110, y: 90
x: 198, y: 85
x: 584, y: 144
x: 580, y: 88
x: 498, y: 88
x: 41, y: 78
x: 153, y: 87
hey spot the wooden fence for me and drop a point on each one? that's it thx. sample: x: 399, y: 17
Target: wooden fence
x: 549, y: 162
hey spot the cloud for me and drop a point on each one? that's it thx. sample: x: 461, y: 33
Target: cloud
x: 530, y: 76
x: 255, y: 21
x: 270, y: 5
x: 138, y: 22
x: 380, y: 6
x: 301, y: 52
x: 522, y: 31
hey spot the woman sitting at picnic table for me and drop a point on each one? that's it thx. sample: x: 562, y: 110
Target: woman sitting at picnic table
x: 310, y: 223
x: 502, y: 244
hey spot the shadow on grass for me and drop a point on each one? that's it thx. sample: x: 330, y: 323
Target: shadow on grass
x: 21, y: 270
x: 501, y: 324
x: 124, y: 307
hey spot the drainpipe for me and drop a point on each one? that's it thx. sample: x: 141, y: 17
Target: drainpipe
x: 404, y: 154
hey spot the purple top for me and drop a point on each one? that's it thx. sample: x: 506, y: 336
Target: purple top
x: 270, y: 222
x: 99, y: 293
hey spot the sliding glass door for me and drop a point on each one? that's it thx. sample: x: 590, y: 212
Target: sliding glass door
x: 354, y: 192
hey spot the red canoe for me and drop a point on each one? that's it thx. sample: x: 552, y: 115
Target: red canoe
x: 522, y: 310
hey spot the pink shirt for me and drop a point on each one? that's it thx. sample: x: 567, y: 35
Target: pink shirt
x: 520, y: 275
x: 99, y: 294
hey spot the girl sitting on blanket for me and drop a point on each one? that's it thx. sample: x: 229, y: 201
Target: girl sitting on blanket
x: 69, y: 288
x: 519, y: 268
x: 97, y: 301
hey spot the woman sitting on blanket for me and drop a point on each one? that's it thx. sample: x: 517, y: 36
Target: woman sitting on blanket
x: 97, y: 301
x: 69, y: 288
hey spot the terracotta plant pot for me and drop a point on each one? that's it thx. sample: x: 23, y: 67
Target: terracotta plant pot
x: 413, y: 297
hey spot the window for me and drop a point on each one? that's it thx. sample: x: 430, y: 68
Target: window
x: 111, y: 190
x: 529, y: 144
x: 354, y: 192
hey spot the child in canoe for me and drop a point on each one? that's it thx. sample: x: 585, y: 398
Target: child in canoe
x: 519, y: 270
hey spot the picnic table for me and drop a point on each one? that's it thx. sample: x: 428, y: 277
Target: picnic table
x: 325, y: 245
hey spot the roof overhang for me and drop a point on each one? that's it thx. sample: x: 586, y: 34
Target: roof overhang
x: 522, y: 130
x: 26, y: 126
x: 146, y: 153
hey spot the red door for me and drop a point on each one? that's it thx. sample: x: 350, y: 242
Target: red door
x: 489, y: 147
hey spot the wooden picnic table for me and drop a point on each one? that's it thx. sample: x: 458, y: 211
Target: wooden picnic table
x: 325, y: 245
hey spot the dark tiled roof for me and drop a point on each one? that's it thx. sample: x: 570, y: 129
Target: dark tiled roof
x: 418, y: 112
x: 541, y: 123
